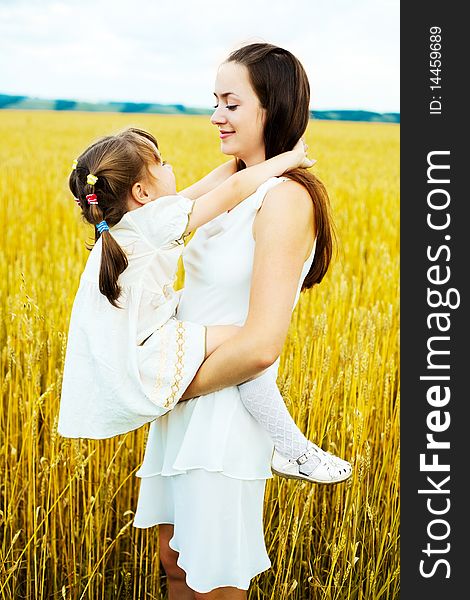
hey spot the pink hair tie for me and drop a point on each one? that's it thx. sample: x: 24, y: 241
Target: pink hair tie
x: 92, y: 199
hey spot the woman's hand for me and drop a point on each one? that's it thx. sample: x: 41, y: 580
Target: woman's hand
x: 300, y: 155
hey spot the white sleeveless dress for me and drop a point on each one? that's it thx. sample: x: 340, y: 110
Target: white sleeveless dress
x: 206, y: 461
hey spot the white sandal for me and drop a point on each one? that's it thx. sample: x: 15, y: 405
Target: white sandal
x: 329, y: 468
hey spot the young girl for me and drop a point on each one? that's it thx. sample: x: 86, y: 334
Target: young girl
x: 128, y: 359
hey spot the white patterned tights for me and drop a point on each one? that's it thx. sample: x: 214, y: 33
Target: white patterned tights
x: 263, y: 400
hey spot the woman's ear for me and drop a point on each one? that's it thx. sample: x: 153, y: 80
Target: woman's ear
x: 262, y: 115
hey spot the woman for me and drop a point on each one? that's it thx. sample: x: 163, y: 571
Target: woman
x: 207, y: 461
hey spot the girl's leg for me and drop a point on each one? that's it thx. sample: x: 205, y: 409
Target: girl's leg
x: 215, y: 336
x: 261, y: 397
x: 176, y: 577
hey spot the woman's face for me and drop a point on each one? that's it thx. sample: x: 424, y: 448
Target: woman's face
x: 238, y: 114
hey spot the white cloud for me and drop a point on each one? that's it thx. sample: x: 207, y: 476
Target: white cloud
x: 156, y: 51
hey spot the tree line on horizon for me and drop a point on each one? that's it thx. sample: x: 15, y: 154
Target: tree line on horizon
x: 27, y: 103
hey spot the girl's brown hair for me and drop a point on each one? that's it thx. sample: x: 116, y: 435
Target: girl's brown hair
x: 118, y: 161
x: 281, y: 84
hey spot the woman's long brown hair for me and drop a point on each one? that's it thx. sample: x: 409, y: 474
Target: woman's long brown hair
x: 118, y: 161
x: 281, y: 84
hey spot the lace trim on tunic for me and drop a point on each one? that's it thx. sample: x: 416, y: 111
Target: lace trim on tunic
x: 175, y: 387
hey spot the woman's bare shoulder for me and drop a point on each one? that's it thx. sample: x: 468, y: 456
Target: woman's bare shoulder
x: 289, y: 200
x: 288, y: 207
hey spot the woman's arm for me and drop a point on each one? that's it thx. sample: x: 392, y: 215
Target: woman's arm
x: 284, y: 236
x: 211, y: 180
x: 243, y: 183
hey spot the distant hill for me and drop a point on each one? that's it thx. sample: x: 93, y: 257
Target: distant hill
x: 355, y: 115
x: 28, y: 103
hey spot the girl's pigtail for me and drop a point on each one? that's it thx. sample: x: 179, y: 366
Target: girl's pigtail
x: 113, y: 258
x: 113, y: 263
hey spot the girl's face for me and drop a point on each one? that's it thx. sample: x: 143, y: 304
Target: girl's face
x: 238, y: 114
x: 163, y: 181
x: 160, y: 182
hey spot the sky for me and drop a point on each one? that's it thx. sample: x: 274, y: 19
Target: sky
x: 168, y: 51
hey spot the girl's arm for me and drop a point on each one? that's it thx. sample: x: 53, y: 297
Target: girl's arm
x: 240, y: 185
x: 210, y: 181
x: 284, y: 230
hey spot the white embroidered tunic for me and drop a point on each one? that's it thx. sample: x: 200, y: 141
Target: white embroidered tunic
x: 113, y: 382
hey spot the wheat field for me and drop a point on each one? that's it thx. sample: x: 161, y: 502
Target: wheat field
x: 66, y: 506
